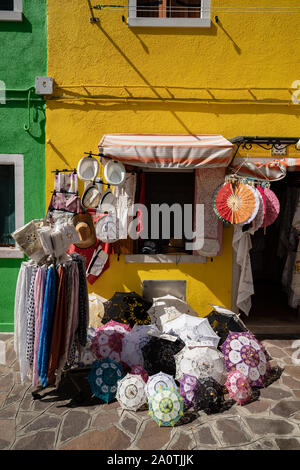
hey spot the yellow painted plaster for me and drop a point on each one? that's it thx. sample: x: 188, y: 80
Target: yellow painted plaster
x: 233, y: 78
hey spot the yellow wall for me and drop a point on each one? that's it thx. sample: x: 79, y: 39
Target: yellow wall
x: 110, y: 78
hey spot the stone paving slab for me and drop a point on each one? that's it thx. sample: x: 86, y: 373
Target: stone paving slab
x: 270, y: 422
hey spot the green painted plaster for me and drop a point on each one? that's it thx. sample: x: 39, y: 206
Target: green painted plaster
x: 23, y: 57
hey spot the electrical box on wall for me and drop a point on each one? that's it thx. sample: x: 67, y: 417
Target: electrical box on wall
x: 44, y: 85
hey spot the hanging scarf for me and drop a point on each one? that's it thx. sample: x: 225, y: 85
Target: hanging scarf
x: 59, y: 325
x: 83, y: 300
x: 39, y: 291
x: 71, y: 315
x: 20, y: 318
x: 30, y: 331
x: 47, y: 324
x: 206, y: 182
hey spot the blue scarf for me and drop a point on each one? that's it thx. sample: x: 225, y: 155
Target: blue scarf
x: 47, y: 325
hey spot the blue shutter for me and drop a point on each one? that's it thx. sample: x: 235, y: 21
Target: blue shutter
x: 7, y: 204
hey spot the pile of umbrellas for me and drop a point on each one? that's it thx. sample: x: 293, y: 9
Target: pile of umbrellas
x: 172, y: 366
x: 241, y: 202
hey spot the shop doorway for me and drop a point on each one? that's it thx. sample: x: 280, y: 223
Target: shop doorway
x: 275, y: 309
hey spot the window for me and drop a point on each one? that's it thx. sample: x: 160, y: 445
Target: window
x: 11, y: 10
x: 171, y: 188
x: 12, y: 203
x: 172, y: 13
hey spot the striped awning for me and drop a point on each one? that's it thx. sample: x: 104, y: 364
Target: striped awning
x: 264, y: 168
x: 168, y: 150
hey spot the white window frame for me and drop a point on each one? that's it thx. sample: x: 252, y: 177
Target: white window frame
x: 18, y: 161
x: 203, y: 22
x: 165, y: 258
x: 15, y: 15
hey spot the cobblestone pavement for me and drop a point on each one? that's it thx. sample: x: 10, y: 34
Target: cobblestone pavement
x: 270, y: 421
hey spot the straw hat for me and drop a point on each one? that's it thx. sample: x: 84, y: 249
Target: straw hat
x: 85, y: 228
x: 107, y: 201
x: 91, y: 197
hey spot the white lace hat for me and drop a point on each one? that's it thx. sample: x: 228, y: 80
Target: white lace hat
x: 114, y: 173
x: 88, y: 168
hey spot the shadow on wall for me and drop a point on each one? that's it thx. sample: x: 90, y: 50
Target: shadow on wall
x: 211, y: 31
x: 16, y: 26
x: 34, y: 117
x: 159, y: 31
x: 164, y: 98
x: 129, y: 277
x: 60, y: 155
x: 160, y: 104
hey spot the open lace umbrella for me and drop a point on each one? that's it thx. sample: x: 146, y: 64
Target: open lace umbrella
x: 127, y: 307
x: 107, y: 341
x: 223, y: 321
x: 103, y: 378
x: 190, y: 328
x: 200, y: 362
x: 159, y: 355
x: 238, y: 387
x: 188, y: 384
x: 167, y: 308
x: 137, y: 369
x: 166, y: 406
x: 243, y: 352
x: 208, y: 395
x: 133, y: 343
x: 131, y: 392
x: 159, y: 380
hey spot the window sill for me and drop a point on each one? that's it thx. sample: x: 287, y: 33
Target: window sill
x: 170, y: 22
x: 6, y: 252
x: 11, y: 16
x: 177, y: 259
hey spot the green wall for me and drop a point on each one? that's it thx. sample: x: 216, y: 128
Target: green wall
x: 23, y: 57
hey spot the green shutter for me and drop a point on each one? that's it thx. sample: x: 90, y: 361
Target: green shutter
x: 7, y: 204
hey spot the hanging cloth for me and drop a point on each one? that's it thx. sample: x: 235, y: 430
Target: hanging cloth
x: 295, y: 284
x: 242, y: 281
x: 30, y: 314
x: 142, y: 200
x: 47, y: 325
x: 59, y: 325
x: 83, y: 300
x: 20, y: 318
x: 71, y: 315
x: 75, y: 316
x: 39, y: 291
x: 206, y: 182
x: 125, y: 197
x: 86, y: 253
x: 66, y: 181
